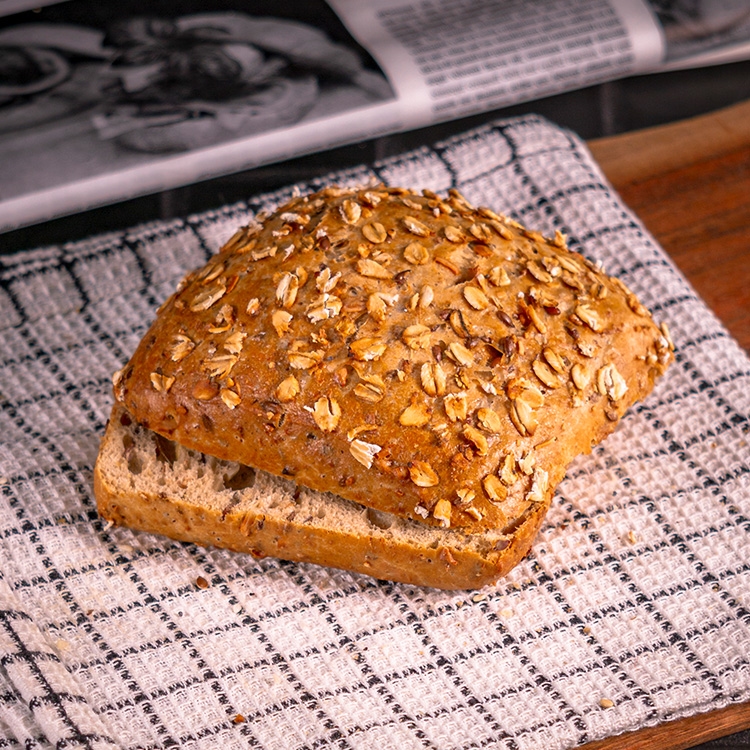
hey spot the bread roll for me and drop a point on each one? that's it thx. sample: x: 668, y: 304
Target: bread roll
x: 412, y: 354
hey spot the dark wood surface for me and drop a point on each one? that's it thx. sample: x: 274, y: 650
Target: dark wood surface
x: 689, y: 182
x: 681, y: 734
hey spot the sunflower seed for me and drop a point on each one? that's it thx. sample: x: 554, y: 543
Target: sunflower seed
x: 664, y: 328
x: 599, y: 291
x: 569, y: 264
x: 426, y: 297
x: 536, y: 319
x: 635, y: 305
x: 447, y: 263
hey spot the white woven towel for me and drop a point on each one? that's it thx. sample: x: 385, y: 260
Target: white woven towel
x: 632, y: 609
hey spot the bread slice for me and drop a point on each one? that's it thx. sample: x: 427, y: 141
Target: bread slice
x: 147, y: 482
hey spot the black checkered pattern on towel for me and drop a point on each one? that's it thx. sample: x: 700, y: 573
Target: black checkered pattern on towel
x: 632, y: 609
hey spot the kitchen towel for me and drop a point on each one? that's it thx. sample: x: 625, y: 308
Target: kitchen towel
x: 633, y: 607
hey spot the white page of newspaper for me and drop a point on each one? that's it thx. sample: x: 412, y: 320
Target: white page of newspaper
x: 451, y: 58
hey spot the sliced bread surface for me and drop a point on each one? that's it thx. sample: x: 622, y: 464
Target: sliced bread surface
x: 144, y: 481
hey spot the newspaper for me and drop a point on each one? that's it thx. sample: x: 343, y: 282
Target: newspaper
x: 102, y: 102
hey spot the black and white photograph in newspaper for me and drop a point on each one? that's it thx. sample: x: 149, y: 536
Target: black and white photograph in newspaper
x: 693, y: 27
x: 88, y: 89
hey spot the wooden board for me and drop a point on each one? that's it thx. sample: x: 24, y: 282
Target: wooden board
x: 689, y: 182
x: 681, y: 734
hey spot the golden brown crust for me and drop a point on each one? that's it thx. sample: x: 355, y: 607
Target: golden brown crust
x: 409, y: 353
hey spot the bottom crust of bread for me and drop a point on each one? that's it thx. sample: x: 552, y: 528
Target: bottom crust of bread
x: 146, y: 482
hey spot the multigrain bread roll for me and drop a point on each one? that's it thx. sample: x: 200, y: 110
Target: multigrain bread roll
x: 433, y: 362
